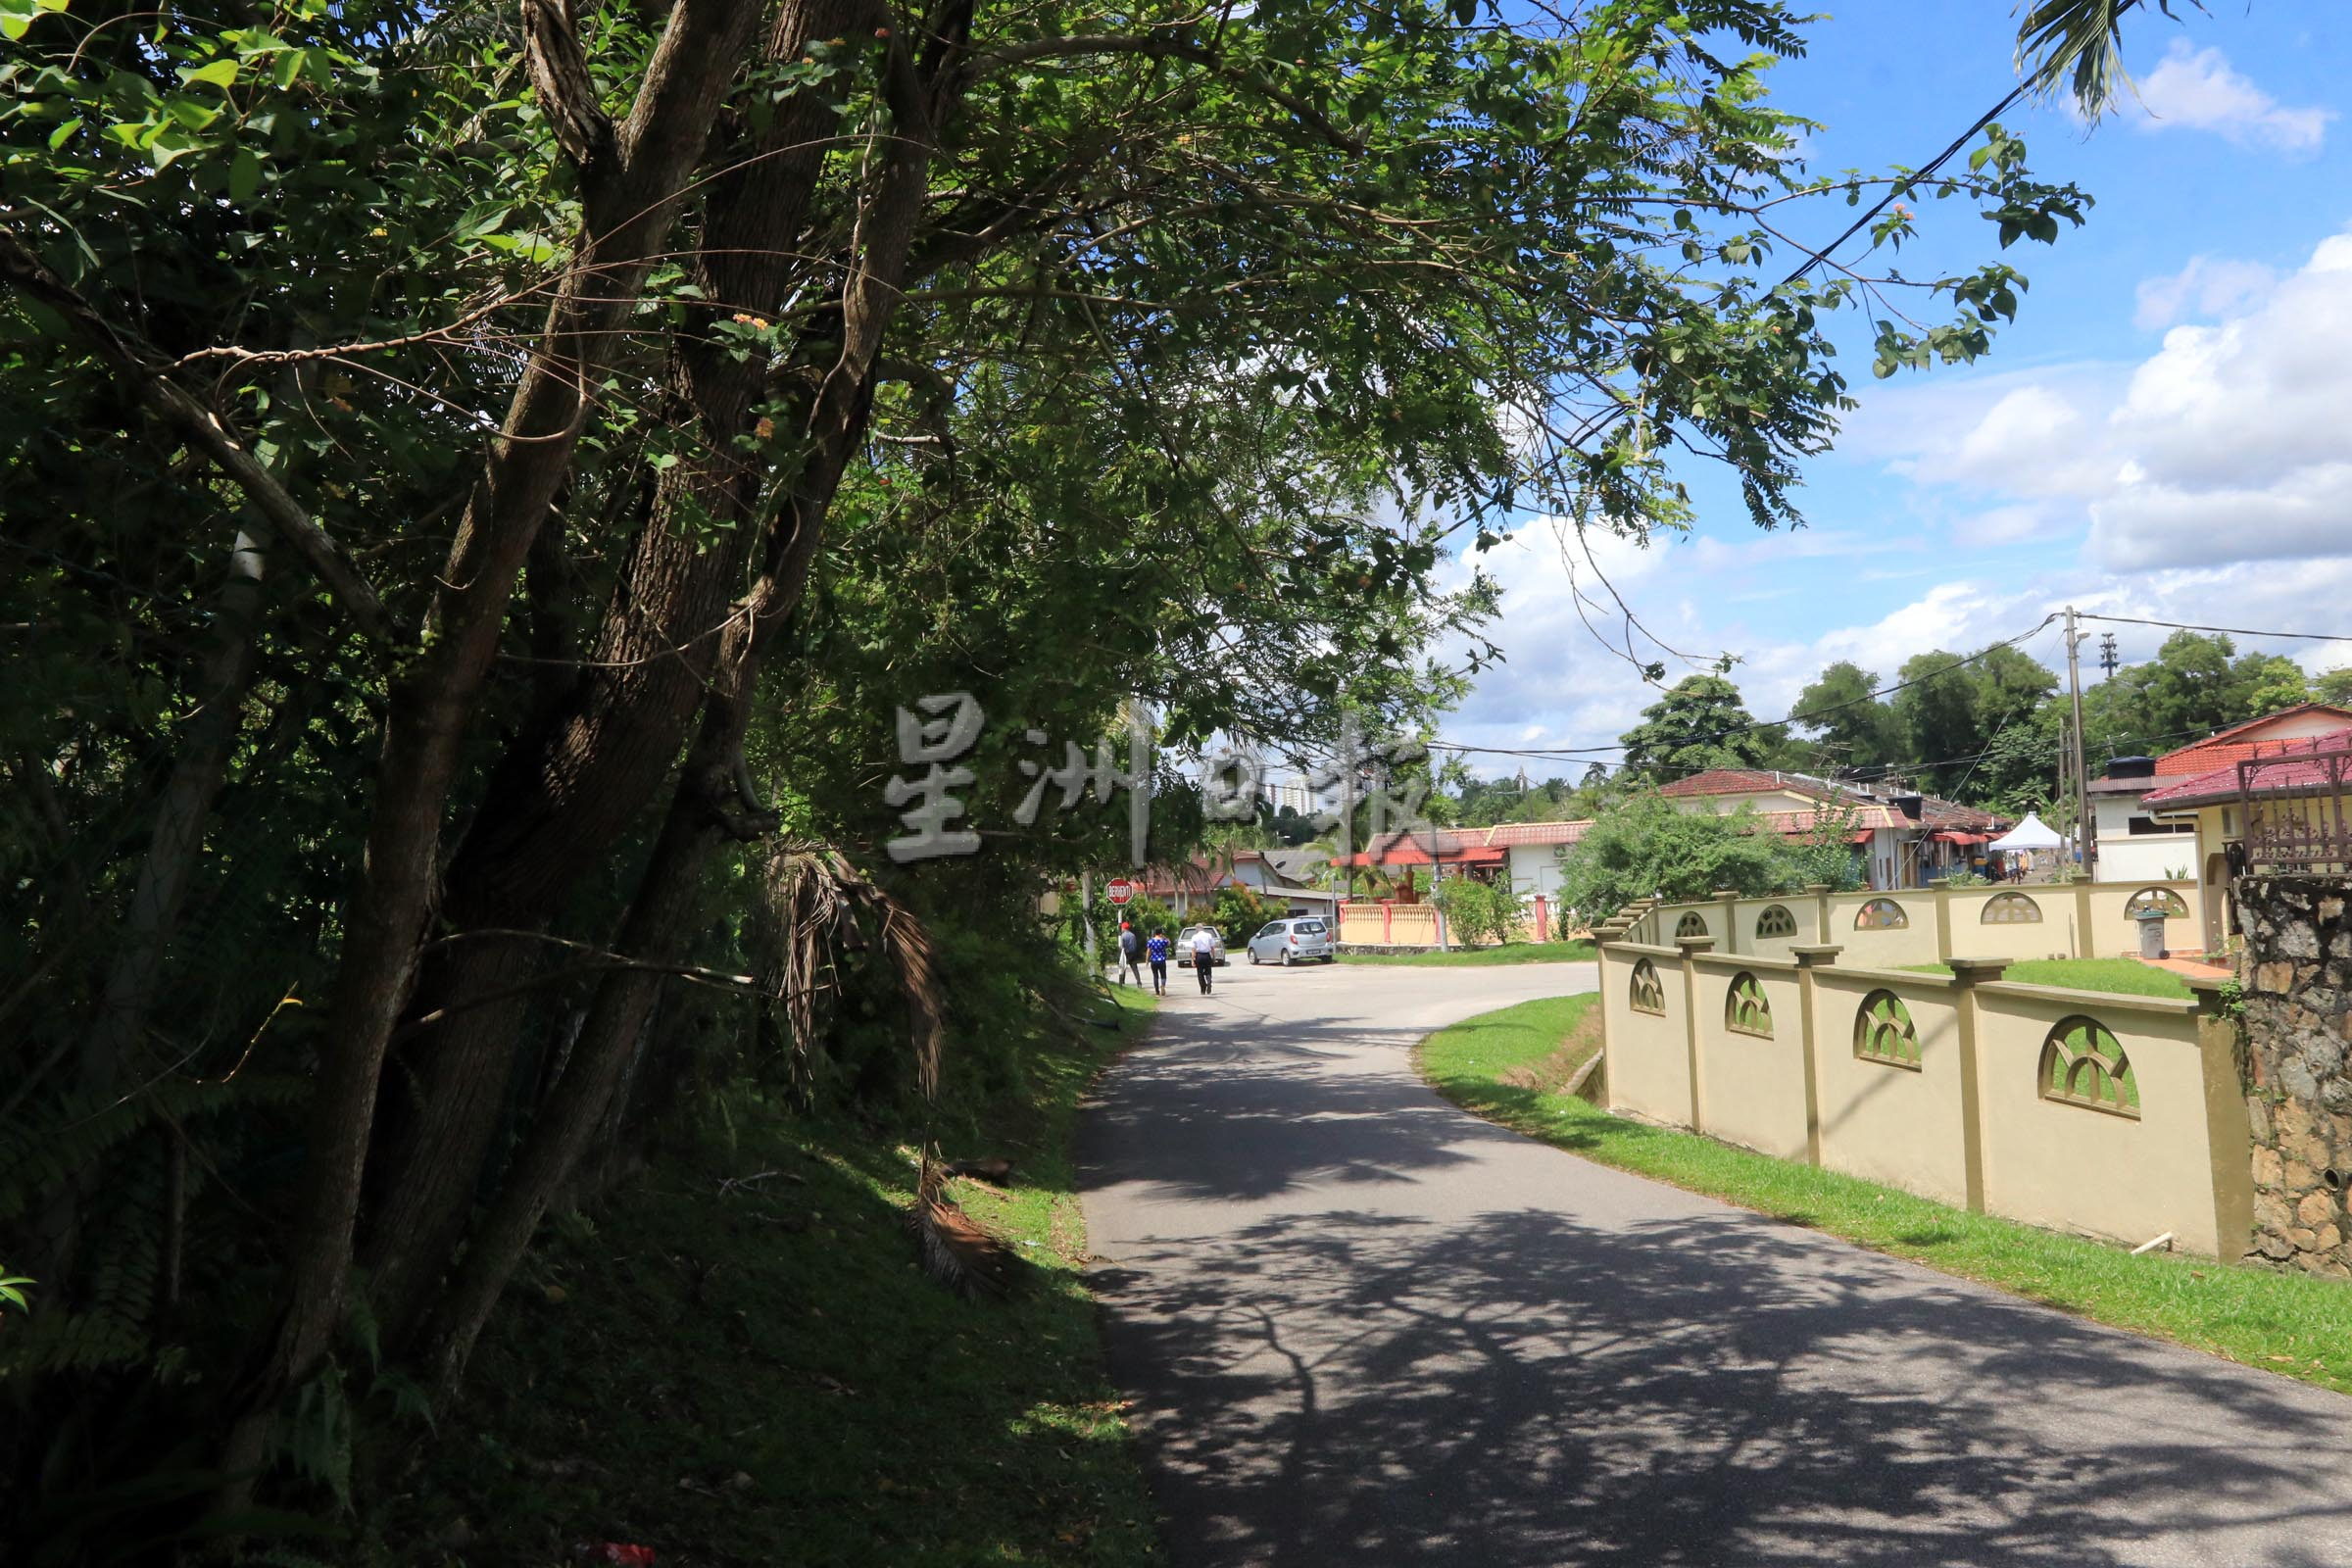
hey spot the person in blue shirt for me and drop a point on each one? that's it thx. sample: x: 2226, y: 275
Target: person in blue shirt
x: 1157, y: 949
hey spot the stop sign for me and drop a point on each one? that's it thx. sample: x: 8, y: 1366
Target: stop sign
x: 1120, y: 890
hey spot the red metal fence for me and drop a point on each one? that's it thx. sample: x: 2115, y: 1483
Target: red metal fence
x: 2298, y: 811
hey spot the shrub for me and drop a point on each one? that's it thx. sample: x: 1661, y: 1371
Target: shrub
x: 1645, y: 848
x: 1480, y: 912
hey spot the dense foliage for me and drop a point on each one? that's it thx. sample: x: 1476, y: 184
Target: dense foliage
x: 1645, y: 848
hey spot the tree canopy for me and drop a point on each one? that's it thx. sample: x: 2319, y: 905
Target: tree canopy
x: 487, y: 481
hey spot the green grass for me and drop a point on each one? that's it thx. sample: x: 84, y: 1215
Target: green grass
x: 742, y: 1364
x: 2285, y: 1323
x: 2124, y: 976
x: 1514, y: 953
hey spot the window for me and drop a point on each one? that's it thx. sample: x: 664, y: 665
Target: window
x: 2165, y: 900
x: 1884, y: 1031
x: 2083, y: 1065
x: 1693, y: 924
x: 2141, y: 826
x: 1746, y: 1011
x: 1881, y: 914
x: 1308, y: 928
x: 1648, y: 995
x: 1775, y: 921
x: 2010, y: 909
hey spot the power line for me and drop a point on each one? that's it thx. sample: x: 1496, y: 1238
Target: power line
x: 2227, y: 631
x: 1807, y: 717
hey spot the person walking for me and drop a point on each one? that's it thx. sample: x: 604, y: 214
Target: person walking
x: 1131, y: 954
x: 1157, y: 950
x: 1204, y: 955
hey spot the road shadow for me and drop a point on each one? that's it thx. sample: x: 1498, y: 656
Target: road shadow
x: 1526, y: 1389
x: 1212, y: 1116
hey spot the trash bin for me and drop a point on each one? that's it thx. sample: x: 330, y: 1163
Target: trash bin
x: 2151, y: 933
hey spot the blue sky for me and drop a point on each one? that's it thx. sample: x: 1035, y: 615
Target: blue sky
x: 2164, y: 431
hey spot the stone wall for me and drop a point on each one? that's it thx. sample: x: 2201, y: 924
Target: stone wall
x: 2297, y: 973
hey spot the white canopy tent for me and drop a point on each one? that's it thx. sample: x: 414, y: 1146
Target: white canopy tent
x: 2030, y: 834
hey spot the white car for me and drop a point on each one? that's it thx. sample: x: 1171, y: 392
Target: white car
x: 1184, y: 946
x: 1293, y: 941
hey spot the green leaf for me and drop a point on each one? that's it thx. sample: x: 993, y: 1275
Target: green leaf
x: 221, y: 74
x: 244, y: 175
x: 63, y: 134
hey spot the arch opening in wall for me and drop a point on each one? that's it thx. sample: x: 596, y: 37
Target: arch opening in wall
x: 2010, y: 909
x: 1693, y: 924
x: 2172, y: 905
x: 1775, y: 921
x: 1884, y: 1031
x: 1745, y: 1008
x: 2083, y: 1065
x: 1881, y: 914
x: 1645, y: 994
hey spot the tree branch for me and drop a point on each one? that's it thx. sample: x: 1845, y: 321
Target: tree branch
x: 278, y: 513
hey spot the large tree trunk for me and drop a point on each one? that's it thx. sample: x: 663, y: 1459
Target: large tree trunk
x: 657, y: 929
x: 631, y: 182
x: 564, y: 794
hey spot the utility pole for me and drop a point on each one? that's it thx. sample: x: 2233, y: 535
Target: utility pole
x: 2108, y: 660
x: 1086, y: 912
x: 2074, y: 687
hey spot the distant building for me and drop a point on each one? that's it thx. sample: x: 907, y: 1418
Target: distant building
x: 2135, y: 845
x: 2272, y: 803
x: 1902, y: 839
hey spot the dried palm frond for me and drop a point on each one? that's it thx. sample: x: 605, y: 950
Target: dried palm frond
x: 955, y: 1251
x: 813, y: 903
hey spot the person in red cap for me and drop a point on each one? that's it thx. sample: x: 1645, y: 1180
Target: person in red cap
x: 1131, y: 953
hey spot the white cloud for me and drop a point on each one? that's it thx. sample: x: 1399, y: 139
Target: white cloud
x: 2003, y: 525
x: 2194, y: 89
x: 2229, y: 443
x: 2204, y: 287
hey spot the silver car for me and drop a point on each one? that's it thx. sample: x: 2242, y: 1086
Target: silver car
x: 1293, y: 941
x: 1184, y: 946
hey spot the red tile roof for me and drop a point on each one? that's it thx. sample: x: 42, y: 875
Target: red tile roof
x: 1743, y: 781
x: 1503, y: 835
x: 2218, y: 784
x: 2225, y: 746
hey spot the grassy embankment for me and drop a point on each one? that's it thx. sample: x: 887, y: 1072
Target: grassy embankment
x: 740, y: 1363
x: 1513, y: 952
x: 2126, y: 976
x: 1503, y: 1065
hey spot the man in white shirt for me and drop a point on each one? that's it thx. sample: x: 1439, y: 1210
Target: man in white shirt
x: 1204, y: 955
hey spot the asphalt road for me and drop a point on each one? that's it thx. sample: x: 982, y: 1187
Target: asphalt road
x: 1361, y: 1327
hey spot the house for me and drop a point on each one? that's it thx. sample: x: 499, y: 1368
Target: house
x: 2130, y: 843
x: 1280, y: 877
x: 1403, y: 856
x: 1904, y: 839
x: 1272, y: 874
x: 1533, y: 853
x: 2277, y: 804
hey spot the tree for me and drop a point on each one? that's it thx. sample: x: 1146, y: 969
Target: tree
x: 1478, y: 913
x: 2334, y: 686
x: 1239, y: 912
x: 1938, y: 717
x: 1645, y: 847
x: 1699, y: 724
x: 633, y: 406
x: 2272, y: 681
x: 1853, y: 729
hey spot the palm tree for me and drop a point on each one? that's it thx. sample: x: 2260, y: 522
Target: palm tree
x: 2080, y: 43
